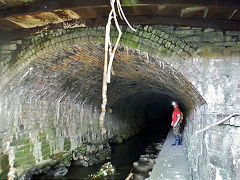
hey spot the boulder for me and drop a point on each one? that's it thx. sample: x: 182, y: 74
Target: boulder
x: 58, y: 172
x: 138, y: 177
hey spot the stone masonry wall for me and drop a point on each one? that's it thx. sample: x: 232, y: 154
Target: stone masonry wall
x: 34, y: 128
x: 208, y: 60
x: 33, y: 131
x: 214, y: 153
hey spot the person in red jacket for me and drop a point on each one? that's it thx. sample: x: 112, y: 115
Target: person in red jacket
x: 176, y: 121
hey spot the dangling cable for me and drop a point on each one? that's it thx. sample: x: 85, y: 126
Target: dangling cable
x: 109, y: 52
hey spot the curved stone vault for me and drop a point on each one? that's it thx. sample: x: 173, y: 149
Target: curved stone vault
x: 51, y: 89
x: 68, y: 65
x: 75, y: 75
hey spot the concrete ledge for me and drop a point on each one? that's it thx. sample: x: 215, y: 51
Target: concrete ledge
x: 172, y: 163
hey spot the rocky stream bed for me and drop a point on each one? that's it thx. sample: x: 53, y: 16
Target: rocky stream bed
x: 135, y: 155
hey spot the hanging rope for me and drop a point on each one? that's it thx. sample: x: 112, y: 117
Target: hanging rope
x: 109, y: 52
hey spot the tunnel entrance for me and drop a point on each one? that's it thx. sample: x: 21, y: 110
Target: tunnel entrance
x: 59, y: 97
x: 51, y: 64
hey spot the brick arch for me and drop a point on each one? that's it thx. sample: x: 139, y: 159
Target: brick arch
x: 147, y: 39
x: 155, y: 64
x: 173, y: 52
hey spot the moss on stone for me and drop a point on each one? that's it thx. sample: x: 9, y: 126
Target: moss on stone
x: 24, y: 156
x: 67, y: 144
x: 23, y: 151
x: 25, y: 161
x: 68, y: 158
x: 58, y: 156
x: 42, y: 136
x: 100, y: 39
x: 129, y: 2
x: 19, y: 154
x: 64, y: 157
x: 24, y: 148
x: 20, y: 141
x: 4, y: 166
x: 45, y: 149
x: 81, y: 149
x: 45, y: 146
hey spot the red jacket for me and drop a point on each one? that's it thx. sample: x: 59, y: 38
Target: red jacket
x: 174, y: 114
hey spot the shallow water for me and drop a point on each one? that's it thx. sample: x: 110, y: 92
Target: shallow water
x: 122, y: 157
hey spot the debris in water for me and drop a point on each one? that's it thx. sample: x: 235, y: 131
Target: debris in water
x: 106, y: 170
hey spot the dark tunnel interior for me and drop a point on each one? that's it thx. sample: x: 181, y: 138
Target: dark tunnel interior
x: 139, y: 96
x: 158, y: 117
x: 152, y: 110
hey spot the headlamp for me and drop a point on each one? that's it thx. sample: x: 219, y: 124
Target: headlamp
x: 174, y: 103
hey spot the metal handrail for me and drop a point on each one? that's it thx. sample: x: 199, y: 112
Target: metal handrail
x: 219, y: 122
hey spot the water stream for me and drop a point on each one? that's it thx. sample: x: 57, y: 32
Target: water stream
x: 122, y: 157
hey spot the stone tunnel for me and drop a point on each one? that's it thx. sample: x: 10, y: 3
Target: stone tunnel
x: 51, y: 84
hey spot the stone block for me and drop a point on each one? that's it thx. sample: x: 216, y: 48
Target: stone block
x: 172, y: 47
x: 26, y: 160
x: 216, y: 160
x: 207, y: 30
x: 150, y: 28
x: 161, y: 34
x: 222, y: 173
x: 211, y: 171
x: 232, y: 33
x: 67, y: 144
x: 228, y: 38
x: 4, y: 166
x: 180, y: 51
x: 202, y: 168
x: 214, y: 141
x: 193, y: 39
x: 213, y: 37
x: 168, y: 44
x: 237, y: 172
x: 236, y: 121
x: 189, y: 32
x: 166, y: 36
x: 20, y: 141
x: 8, y: 47
x: 227, y: 44
x: 140, y: 33
x: 1, y: 136
x: 164, y: 27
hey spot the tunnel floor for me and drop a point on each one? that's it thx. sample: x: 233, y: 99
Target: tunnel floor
x: 171, y: 162
x: 122, y: 156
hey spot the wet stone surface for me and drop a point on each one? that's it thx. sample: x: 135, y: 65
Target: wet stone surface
x: 145, y: 164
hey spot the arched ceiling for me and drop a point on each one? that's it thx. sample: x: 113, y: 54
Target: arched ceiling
x: 75, y: 74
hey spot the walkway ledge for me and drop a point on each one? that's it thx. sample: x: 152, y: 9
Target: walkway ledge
x: 172, y: 163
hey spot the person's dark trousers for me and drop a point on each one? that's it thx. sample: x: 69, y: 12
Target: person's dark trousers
x: 180, y: 140
x: 177, y: 140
